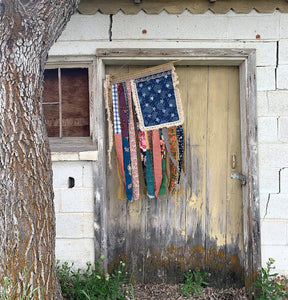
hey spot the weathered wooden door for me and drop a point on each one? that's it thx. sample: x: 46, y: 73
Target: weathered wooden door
x: 202, y: 225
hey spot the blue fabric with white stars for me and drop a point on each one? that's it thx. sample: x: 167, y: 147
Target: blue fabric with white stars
x: 157, y: 99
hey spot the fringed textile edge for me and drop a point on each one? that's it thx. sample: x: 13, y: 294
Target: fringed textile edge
x: 108, y: 107
x: 177, y: 96
x: 142, y: 73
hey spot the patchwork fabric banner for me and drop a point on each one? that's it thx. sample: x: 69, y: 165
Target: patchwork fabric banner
x: 147, y: 119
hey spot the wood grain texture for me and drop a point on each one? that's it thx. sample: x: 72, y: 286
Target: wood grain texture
x: 251, y: 211
x: 200, y: 226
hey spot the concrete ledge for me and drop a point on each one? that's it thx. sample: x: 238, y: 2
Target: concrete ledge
x: 72, y: 156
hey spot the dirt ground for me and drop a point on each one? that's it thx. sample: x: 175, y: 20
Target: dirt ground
x: 171, y: 292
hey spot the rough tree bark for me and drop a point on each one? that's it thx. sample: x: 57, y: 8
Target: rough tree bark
x: 27, y: 221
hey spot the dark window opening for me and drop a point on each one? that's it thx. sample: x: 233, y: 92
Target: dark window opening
x: 66, y: 102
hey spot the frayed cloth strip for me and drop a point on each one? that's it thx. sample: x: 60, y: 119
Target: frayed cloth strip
x: 180, y: 140
x: 162, y: 190
x: 117, y: 129
x: 117, y: 126
x: 174, y: 170
x: 125, y: 141
x: 132, y: 143
x: 157, y: 161
x: 149, y: 169
x: 119, y: 152
x: 167, y: 145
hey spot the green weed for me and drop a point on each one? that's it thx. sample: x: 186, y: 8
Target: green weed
x: 271, y: 286
x: 8, y: 290
x: 93, y: 283
x: 194, y: 283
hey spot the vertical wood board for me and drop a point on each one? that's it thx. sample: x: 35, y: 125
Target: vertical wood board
x: 160, y: 238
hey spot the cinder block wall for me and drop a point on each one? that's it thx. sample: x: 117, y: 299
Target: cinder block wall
x: 74, y: 212
x: 267, y: 33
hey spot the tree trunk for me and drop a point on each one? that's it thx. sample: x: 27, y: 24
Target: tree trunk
x: 27, y: 218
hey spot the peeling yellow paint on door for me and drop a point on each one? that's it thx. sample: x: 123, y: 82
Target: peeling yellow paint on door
x: 207, y: 213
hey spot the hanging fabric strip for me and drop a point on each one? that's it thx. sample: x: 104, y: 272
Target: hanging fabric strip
x: 149, y: 169
x: 117, y: 129
x: 142, y: 150
x: 125, y: 141
x: 174, y: 152
x: 167, y: 144
x: 147, y: 112
x: 180, y: 140
x: 142, y: 146
x: 157, y: 161
x: 162, y: 190
x: 132, y: 143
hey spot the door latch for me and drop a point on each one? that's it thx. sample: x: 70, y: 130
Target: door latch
x: 240, y: 177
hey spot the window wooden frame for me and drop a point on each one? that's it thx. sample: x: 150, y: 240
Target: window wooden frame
x: 245, y: 59
x: 77, y: 144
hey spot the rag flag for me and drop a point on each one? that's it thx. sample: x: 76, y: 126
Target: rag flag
x: 145, y: 114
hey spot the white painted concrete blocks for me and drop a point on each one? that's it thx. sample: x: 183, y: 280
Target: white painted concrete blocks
x: 284, y: 181
x: 265, y: 53
x: 169, y: 27
x: 282, y: 77
x: 273, y: 155
x: 246, y: 27
x: 277, y: 252
x: 77, y: 251
x: 269, y: 180
x: 88, y: 175
x: 87, y: 27
x: 283, y: 52
x: 262, y: 104
x: 74, y: 211
x: 77, y: 201
x: 265, y: 78
x: 74, y: 225
x: 278, y: 207
x: 273, y: 233
x: 283, y: 26
x: 61, y: 174
x: 81, y: 171
x: 283, y: 129
x: 203, y: 26
x: 278, y: 103
x: 267, y: 130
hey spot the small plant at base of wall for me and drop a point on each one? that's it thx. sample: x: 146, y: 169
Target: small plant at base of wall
x: 271, y: 285
x: 194, y: 283
x: 93, y: 283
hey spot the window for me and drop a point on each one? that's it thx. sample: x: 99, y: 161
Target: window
x: 66, y: 102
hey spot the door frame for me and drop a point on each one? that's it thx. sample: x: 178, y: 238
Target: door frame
x: 245, y: 59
